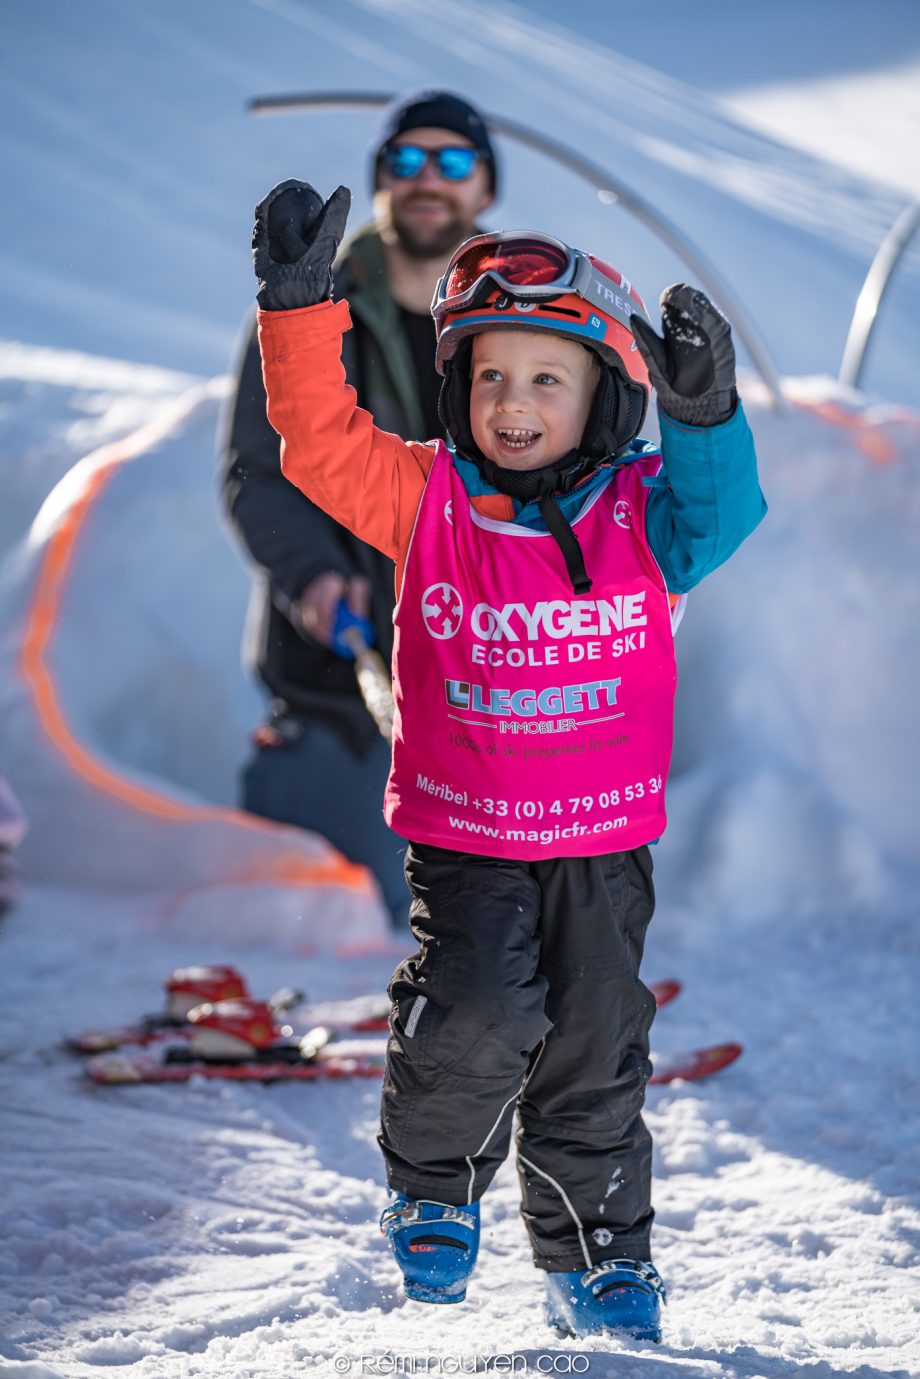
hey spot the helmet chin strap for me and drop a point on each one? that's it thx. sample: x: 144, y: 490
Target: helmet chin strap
x: 617, y: 412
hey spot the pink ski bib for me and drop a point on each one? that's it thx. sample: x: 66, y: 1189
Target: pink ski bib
x: 530, y: 722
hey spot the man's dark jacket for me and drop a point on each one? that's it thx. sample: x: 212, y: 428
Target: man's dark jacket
x: 291, y: 540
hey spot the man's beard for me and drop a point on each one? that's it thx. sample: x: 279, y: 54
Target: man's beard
x: 434, y: 242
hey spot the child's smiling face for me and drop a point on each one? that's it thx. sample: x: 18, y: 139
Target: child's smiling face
x: 530, y: 395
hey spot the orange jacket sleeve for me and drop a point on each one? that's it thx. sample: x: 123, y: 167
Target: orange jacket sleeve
x: 368, y: 480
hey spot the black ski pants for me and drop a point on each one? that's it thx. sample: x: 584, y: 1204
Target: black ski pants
x: 525, y: 994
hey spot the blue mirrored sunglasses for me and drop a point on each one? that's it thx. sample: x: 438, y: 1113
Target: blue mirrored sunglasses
x: 407, y: 160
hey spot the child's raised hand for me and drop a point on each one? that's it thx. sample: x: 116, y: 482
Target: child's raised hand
x: 692, y: 368
x: 294, y: 242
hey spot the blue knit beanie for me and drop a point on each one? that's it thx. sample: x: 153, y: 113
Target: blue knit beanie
x: 434, y: 110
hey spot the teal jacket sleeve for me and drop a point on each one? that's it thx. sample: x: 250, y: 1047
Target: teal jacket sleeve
x: 705, y: 501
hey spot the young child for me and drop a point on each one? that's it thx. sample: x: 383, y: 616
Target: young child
x: 541, y: 563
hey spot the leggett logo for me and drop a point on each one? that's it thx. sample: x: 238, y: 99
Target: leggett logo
x: 442, y: 609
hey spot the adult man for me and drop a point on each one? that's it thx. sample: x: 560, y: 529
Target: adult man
x: 319, y: 761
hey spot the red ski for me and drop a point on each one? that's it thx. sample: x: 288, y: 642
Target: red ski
x: 239, y: 1039
x: 189, y: 987
x: 180, y: 1065
x: 327, y: 1057
x: 693, y: 1066
x: 192, y: 986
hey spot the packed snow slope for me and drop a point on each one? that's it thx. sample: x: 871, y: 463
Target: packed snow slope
x: 219, y: 1231
x: 226, y: 1231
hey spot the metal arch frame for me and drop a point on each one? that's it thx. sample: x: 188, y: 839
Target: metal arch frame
x: 609, y: 188
x: 865, y: 313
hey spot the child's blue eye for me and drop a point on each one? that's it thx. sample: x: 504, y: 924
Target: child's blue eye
x: 545, y: 378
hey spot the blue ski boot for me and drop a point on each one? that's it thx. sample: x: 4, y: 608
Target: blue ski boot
x: 435, y: 1245
x: 622, y: 1296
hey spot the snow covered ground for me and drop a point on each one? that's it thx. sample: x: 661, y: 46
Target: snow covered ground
x: 165, y: 1233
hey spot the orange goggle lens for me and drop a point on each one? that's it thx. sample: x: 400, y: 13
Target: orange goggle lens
x: 520, y: 263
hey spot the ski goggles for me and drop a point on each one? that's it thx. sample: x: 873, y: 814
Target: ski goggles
x: 406, y: 161
x: 527, y: 267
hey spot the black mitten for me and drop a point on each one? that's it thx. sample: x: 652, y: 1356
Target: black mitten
x: 692, y: 368
x: 294, y: 242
